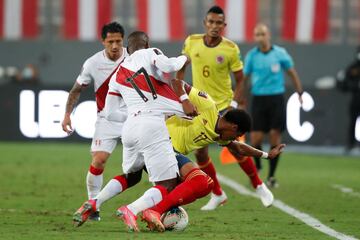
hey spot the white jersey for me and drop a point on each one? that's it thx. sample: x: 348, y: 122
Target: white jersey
x: 142, y: 79
x: 99, y: 69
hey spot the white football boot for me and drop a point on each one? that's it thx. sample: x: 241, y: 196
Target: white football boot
x: 265, y: 195
x: 215, y: 201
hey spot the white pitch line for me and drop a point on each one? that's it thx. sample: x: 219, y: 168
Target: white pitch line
x: 346, y: 190
x: 306, y: 218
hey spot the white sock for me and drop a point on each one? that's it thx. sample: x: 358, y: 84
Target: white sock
x: 111, y: 189
x: 150, y: 198
x: 94, y: 184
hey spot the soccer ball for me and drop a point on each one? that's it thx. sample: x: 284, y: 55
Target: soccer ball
x: 176, y: 219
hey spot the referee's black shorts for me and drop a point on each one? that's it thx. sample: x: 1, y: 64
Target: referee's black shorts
x: 268, y: 112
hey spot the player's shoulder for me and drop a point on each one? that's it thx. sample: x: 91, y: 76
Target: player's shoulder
x: 195, y: 37
x: 228, y: 43
x: 278, y: 48
x: 94, y: 59
x: 252, y: 52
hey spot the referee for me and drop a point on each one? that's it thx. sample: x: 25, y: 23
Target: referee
x: 265, y: 65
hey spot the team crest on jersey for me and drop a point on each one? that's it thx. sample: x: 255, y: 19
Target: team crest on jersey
x: 220, y: 59
x: 202, y: 94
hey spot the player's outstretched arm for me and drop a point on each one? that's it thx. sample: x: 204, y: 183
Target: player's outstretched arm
x: 239, y: 150
x: 170, y: 65
x: 73, y: 98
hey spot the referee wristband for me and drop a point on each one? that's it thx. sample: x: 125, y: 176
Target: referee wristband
x: 264, y: 155
x: 183, y: 97
x: 234, y: 104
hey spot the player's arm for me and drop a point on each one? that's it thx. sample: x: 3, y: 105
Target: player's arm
x: 239, y: 150
x: 166, y: 64
x: 114, y: 104
x: 179, y: 87
x: 239, y: 95
x: 72, y: 100
x: 296, y: 81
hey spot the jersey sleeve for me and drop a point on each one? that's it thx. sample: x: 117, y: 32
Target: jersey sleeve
x: 235, y: 60
x: 286, y: 60
x: 248, y: 64
x: 166, y: 64
x: 85, y: 76
x: 186, y: 46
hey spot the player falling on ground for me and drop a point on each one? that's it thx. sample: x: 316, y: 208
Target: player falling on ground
x: 213, y: 58
x: 207, y: 128
x: 99, y: 69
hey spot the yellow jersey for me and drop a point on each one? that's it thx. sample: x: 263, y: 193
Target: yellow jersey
x: 211, y: 67
x: 189, y: 135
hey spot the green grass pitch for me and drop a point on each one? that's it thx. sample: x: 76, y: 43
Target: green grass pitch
x: 42, y: 184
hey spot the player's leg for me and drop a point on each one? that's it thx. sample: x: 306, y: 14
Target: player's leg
x: 205, y: 163
x: 277, y: 125
x: 260, y: 125
x: 196, y: 184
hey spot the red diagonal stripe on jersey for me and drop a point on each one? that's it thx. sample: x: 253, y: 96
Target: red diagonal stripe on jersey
x: 161, y: 88
x: 102, y: 91
x: 321, y: 20
x: 142, y: 14
x: 71, y: 16
x: 289, y: 19
x: 29, y: 17
x: 104, y: 14
x: 2, y: 18
x: 177, y: 29
x: 250, y: 18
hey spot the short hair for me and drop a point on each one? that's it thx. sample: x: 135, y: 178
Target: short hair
x: 139, y: 35
x: 239, y: 117
x: 215, y: 9
x: 113, y: 27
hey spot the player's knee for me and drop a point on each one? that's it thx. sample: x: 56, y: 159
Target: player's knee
x: 99, y: 160
x: 204, y: 183
x: 201, y: 156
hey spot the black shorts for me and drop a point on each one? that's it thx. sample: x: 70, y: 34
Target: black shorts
x: 268, y: 112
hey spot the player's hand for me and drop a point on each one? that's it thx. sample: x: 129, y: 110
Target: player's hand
x: 66, y: 125
x: 276, y: 151
x: 189, y: 109
x: 188, y: 59
x: 301, y: 99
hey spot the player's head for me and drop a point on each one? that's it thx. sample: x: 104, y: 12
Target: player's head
x: 262, y: 34
x: 137, y: 40
x: 112, y: 35
x: 214, y: 22
x: 233, y: 123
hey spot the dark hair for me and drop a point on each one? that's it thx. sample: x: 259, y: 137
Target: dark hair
x: 239, y: 117
x: 216, y: 9
x: 113, y: 27
x: 137, y: 40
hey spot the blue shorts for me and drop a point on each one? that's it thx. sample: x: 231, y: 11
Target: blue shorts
x: 182, y: 160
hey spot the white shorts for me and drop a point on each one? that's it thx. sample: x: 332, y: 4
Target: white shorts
x: 146, y: 142
x: 106, y: 136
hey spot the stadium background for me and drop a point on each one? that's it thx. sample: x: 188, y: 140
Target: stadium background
x: 57, y: 36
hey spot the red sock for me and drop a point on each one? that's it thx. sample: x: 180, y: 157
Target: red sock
x: 249, y: 168
x: 209, y: 169
x: 196, y: 185
x: 95, y: 171
x: 122, y: 180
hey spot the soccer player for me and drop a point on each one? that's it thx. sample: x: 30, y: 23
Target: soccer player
x: 99, y: 68
x: 186, y: 136
x: 142, y: 80
x: 213, y: 59
x: 265, y: 65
